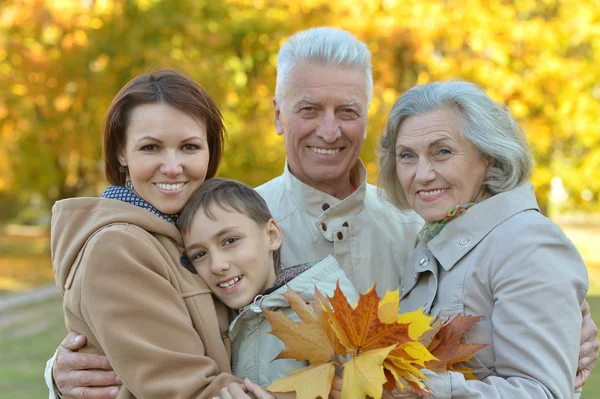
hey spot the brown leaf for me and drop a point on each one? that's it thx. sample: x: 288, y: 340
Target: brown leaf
x: 448, y: 349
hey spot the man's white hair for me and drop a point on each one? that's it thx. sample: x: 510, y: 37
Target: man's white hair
x: 323, y: 46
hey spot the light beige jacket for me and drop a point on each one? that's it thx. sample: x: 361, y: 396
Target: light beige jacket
x: 253, y: 348
x: 369, y: 238
x: 118, y: 268
x: 505, y: 261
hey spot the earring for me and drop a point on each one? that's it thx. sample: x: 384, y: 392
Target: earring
x: 123, y: 169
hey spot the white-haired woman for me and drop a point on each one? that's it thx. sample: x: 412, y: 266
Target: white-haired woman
x: 461, y: 161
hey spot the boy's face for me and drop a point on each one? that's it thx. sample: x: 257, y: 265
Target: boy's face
x: 233, y: 254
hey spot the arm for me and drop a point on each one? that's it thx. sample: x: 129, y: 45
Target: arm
x: 80, y: 375
x: 537, y: 285
x: 130, y: 303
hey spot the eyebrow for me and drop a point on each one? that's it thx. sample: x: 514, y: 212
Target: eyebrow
x: 306, y: 100
x: 431, y: 145
x: 219, y: 233
x: 191, y: 138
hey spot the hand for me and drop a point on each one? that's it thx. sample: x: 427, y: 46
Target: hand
x: 83, y: 375
x: 247, y: 390
x: 336, y: 388
x: 588, y: 351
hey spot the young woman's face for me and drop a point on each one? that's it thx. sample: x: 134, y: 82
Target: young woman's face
x: 166, y: 153
x: 233, y: 254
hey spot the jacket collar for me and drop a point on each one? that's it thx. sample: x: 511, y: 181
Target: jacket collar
x: 316, y: 202
x: 465, y: 232
x: 319, y: 274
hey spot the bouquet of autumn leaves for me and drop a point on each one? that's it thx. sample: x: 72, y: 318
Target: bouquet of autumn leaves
x: 375, y: 346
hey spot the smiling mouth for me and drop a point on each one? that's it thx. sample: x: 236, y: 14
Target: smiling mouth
x: 229, y: 283
x: 325, y: 151
x: 431, y: 193
x: 170, y: 186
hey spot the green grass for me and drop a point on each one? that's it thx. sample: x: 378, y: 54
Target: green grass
x: 28, y: 338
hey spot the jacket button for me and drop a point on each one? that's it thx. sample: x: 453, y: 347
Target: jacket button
x: 325, y: 207
x: 464, y: 242
x: 424, y: 262
x: 340, y: 235
x: 324, y: 226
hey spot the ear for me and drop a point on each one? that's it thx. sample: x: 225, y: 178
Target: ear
x: 274, y: 233
x: 277, y: 117
x: 122, y: 158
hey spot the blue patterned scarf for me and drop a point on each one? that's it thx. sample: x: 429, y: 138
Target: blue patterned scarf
x: 125, y: 194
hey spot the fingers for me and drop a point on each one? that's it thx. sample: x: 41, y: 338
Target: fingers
x: 234, y: 391
x: 92, y: 393
x: 256, y: 390
x: 582, y: 376
x: 588, y: 352
x: 589, y: 331
x: 585, y: 309
x: 83, y: 375
x: 73, y: 341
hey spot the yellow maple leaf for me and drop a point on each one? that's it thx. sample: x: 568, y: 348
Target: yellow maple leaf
x: 363, y: 374
x: 388, y: 313
x: 304, y: 340
x: 308, y: 382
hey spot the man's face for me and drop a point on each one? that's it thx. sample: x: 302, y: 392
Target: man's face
x: 323, y: 119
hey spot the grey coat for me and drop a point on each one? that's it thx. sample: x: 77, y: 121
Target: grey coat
x: 505, y: 261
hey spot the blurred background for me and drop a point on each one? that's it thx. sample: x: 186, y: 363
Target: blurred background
x: 62, y: 61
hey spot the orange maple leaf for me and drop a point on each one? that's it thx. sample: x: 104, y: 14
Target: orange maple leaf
x: 361, y: 324
x: 304, y: 340
x: 448, y: 349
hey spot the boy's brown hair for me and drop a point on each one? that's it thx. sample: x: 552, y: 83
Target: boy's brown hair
x: 230, y: 195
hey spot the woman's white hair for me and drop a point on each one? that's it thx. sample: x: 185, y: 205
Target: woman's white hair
x: 322, y: 46
x: 488, y: 125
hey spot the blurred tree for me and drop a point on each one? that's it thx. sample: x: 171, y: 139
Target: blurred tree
x: 62, y: 61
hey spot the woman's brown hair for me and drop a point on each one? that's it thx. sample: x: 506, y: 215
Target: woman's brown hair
x: 164, y: 86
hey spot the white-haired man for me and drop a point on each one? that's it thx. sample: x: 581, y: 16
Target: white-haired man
x: 322, y: 200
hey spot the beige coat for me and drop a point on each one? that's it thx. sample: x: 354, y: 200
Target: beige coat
x: 505, y: 261
x: 118, y: 268
x: 368, y: 237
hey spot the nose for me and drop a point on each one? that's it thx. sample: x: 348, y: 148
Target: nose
x: 171, y: 164
x: 329, y: 128
x: 425, y: 172
x: 218, y: 264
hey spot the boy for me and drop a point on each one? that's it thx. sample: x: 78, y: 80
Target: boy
x: 234, y: 244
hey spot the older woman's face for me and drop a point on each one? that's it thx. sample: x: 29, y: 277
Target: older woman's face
x: 167, y: 155
x: 437, y: 168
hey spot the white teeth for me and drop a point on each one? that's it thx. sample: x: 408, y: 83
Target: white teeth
x: 170, y: 187
x: 324, y: 151
x: 431, y: 193
x: 229, y: 283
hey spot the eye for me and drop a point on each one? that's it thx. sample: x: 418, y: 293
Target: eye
x: 190, y: 147
x: 405, y: 155
x: 149, y: 148
x: 443, y: 151
x: 198, y: 256
x: 307, y: 109
x: 230, y: 240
